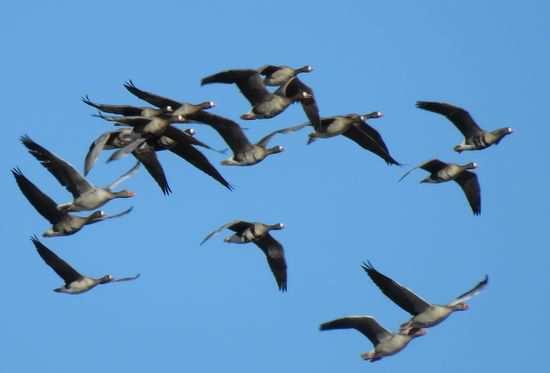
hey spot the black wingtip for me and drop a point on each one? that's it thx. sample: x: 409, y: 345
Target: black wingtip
x: 367, y: 266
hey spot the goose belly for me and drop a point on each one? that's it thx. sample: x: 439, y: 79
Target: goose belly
x: 392, y: 345
x: 270, y: 108
x: 478, y: 142
x: 449, y: 173
x: 251, y: 156
x: 337, y: 127
x: 432, y: 316
x: 91, y: 200
x: 68, y: 226
x: 79, y: 286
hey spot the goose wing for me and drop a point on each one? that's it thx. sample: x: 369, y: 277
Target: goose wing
x: 470, y: 185
x: 40, y: 201
x: 250, y: 83
x: 460, y: 117
x: 399, y: 294
x: 265, y: 140
x: 472, y: 292
x: 432, y: 166
x: 235, y: 226
x: 369, y: 139
x: 161, y: 102
x: 125, y: 110
x: 61, y: 267
x: 124, y: 176
x: 274, y: 253
x: 185, y: 150
x: 366, y: 325
x: 296, y: 88
x: 66, y: 174
x: 95, y: 150
x: 229, y: 130
x: 148, y: 157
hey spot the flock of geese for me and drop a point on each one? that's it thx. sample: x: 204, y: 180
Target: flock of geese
x: 143, y: 131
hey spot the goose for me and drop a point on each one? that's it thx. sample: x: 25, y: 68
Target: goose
x: 276, y: 75
x: 264, y: 103
x: 85, y: 195
x: 475, y: 138
x: 63, y: 223
x: 124, y: 110
x: 258, y: 233
x: 75, y: 283
x: 354, y: 127
x: 441, y: 172
x: 176, y: 141
x: 168, y: 105
x: 244, y: 152
x: 424, y: 314
x: 385, y: 342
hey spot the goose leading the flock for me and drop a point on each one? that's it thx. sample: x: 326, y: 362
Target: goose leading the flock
x: 264, y: 103
x: 244, y: 152
x: 75, y: 283
x: 475, y: 138
x: 385, y: 343
x: 63, y: 223
x: 258, y: 233
x: 441, y: 172
x: 354, y: 127
x: 424, y: 313
x: 86, y: 196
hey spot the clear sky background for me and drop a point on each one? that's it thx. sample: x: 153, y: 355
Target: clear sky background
x: 216, y: 308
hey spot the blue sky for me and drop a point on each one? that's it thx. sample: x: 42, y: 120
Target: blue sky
x: 216, y: 307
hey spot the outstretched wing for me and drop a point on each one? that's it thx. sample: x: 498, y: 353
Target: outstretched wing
x: 274, y: 253
x: 367, y: 325
x: 40, y: 201
x: 61, y: 267
x: 472, y: 292
x: 399, y: 294
x: 470, y: 185
x: 250, y: 83
x: 265, y: 140
x: 66, y: 174
x: 432, y: 166
x: 235, y: 225
x: 458, y: 116
x: 164, y: 103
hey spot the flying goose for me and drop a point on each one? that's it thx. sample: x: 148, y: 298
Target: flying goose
x: 85, y: 195
x: 244, y: 152
x: 385, y: 343
x: 441, y: 172
x: 276, y: 75
x: 168, y: 105
x: 264, y: 103
x: 174, y: 140
x: 63, y: 224
x: 475, y: 138
x: 424, y: 314
x: 258, y: 233
x: 124, y: 110
x: 354, y: 127
x: 75, y: 283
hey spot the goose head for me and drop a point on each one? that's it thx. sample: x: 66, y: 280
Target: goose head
x: 470, y: 166
x: 105, y: 279
x: 275, y: 150
x: 501, y: 133
x: 248, y: 116
x: 304, y: 69
x: 123, y: 194
x: 277, y: 226
x: 372, y: 115
x: 461, y: 306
